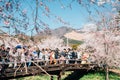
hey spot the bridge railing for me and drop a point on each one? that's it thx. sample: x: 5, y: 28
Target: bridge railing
x: 55, y: 61
x: 44, y: 66
x: 52, y: 62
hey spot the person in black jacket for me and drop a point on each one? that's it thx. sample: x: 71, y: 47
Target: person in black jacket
x: 57, y: 54
x: 4, y: 54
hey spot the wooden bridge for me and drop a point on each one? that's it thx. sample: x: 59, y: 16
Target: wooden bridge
x: 41, y: 66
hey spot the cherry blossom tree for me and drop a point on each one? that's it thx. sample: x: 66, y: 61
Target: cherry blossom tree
x: 105, y: 40
x: 51, y: 42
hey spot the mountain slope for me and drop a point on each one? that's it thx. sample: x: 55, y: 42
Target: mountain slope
x: 60, y: 32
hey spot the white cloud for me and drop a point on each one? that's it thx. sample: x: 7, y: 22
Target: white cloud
x: 89, y: 27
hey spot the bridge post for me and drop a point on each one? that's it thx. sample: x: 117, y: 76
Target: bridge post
x: 59, y: 77
x: 51, y: 78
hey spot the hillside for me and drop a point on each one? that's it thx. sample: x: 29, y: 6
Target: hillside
x: 25, y: 39
x: 60, y: 32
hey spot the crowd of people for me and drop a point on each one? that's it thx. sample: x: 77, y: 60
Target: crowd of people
x: 27, y: 54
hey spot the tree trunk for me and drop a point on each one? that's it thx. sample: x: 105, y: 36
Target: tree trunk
x: 107, y: 72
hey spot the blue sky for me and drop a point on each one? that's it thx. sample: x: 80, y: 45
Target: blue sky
x: 70, y: 12
x: 76, y: 16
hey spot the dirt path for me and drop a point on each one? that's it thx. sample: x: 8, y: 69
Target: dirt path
x: 117, y: 71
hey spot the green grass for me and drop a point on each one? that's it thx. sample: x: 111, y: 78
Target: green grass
x: 43, y: 77
x: 99, y: 76
x: 89, y: 76
x: 38, y: 77
x: 71, y: 41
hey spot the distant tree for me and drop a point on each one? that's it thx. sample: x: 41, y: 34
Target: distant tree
x: 51, y: 42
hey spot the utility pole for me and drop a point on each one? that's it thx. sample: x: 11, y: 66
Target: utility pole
x: 67, y: 42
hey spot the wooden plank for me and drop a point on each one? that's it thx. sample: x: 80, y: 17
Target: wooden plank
x: 33, y: 70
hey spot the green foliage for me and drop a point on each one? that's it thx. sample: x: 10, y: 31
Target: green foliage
x: 32, y: 38
x: 72, y: 42
x: 74, y: 46
x: 99, y: 76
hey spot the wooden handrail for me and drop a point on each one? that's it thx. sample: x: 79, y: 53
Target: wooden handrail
x: 38, y: 60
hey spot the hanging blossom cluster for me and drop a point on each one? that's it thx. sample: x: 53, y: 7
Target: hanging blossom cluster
x: 101, y: 2
x: 114, y: 3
